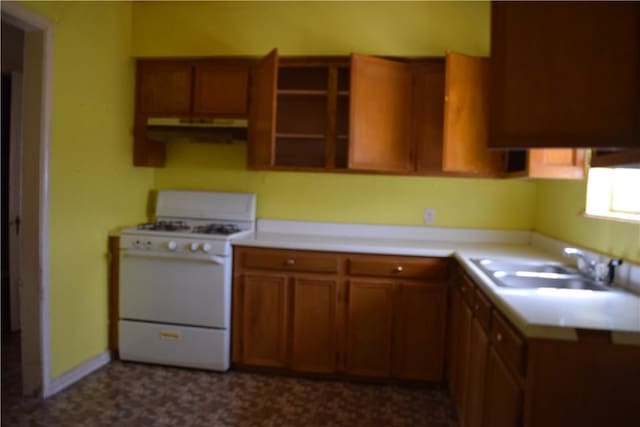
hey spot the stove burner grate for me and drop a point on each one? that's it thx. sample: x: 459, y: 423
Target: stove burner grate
x: 165, y: 226
x: 224, y: 229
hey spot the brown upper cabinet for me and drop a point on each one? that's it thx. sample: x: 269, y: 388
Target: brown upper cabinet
x: 613, y: 158
x: 216, y: 87
x: 371, y: 114
x: 565, y: 74
x: 380, y: 115
x: 450, y: 115
x: 556, y: 163
x: 299, y: 112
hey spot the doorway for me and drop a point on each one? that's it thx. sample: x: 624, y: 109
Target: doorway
x: 10, y: 181
x: 34, y: 115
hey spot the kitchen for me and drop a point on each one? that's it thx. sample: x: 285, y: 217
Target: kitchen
x: 95, y: 189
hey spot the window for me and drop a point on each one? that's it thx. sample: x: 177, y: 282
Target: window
x: 614, y: 194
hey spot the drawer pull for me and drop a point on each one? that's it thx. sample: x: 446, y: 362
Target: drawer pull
x: 398, y: 269
x: 499, y: 337
x: 291, y: 261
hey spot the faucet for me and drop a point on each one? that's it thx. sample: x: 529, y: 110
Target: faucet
x: 594, y: 270
x: 584, y: 263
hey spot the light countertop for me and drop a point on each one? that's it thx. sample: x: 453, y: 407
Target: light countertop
x: 537, y: 313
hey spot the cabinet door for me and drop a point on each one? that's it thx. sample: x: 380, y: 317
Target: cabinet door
x: 503, y: 398
x: 556, y: 163
x: 612, y: 158
x: 220, y: 89
x: 313, y: 336
x: 264, y: 320
x: 368, y: 338
x: 380, y: 115
x: 466, y: 117
x: 454, y: 333
x: 164, y: 87
x: 419, y: 324
x: 461, y: 359
x: 565, y: 74
x: 262, y: 114
x: 478, y: 352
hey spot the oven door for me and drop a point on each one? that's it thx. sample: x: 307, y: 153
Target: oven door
x: 176, y: 288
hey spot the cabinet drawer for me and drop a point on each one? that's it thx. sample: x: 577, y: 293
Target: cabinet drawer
x: 482, y: 309
x: 508, y: 343
x: 429, y: 268
x: 290, y: 261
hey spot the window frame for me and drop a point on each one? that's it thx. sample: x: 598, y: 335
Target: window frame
x: 601, y: 187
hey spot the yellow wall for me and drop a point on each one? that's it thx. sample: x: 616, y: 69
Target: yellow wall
x: 310, y: 28
x: 558, y: 208
x: 479, y: 203
x: 94, y: 187
x: 325, y: 28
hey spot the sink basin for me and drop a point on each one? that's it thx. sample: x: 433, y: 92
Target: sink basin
x: 489, y: 265
x: 541, y: 275
x: 512, y: 281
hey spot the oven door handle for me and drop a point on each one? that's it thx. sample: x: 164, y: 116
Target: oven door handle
x: 175, y: 256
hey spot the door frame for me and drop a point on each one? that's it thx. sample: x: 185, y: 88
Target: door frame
x: 37, y: 80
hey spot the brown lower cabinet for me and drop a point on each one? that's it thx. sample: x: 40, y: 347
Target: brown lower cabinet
x: 502, y: 404
x: 498, y: 378
x: 334, y: 313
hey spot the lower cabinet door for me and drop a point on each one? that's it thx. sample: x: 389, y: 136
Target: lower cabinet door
x: 419, y: 317
x: 503, y: 397
x: 368, y: 335
x: 476, y: 375
x: 313, y: 336
x: 461, y: 356
x: 264, y: 320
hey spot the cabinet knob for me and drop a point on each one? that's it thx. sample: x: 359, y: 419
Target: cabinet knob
x: 398, y: 269
x: 476, y: 307
x: 291, y: 261
x: 499, y: 337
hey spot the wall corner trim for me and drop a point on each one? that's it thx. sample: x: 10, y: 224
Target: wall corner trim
x: 76, y: 374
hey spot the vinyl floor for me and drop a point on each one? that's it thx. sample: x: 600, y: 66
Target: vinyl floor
x: 131, y: 394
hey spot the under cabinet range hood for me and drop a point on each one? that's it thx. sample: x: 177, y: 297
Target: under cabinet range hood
x: 193, y: 129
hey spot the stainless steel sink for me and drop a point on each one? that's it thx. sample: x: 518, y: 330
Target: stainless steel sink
x: 540, y: 275
x: 489, y: 265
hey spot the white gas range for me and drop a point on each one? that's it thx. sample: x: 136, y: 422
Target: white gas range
x: 175, y: 279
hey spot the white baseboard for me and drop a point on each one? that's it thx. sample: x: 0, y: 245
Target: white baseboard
x: 76, y: 374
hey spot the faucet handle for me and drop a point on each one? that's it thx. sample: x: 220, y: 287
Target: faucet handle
x: 612, y: 264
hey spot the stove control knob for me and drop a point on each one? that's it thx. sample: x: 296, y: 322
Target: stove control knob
x: 193, y: 247
x: 137, y: 243
x: 172, y: 246
x: 206, y: 247
x: 148, y: 244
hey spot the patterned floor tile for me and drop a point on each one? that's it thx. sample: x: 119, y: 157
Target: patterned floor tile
x: 130, y: 394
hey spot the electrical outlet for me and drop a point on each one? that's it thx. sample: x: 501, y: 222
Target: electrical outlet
x: 429, y: 215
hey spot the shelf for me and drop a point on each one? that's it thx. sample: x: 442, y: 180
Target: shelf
x: 300, y: 136
x: 304, y: 92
